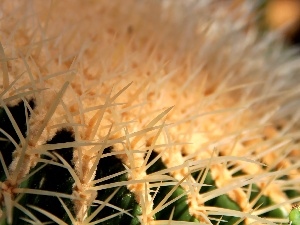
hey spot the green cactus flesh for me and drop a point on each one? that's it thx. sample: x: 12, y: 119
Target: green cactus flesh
x: 149, y: 112
x: 294, y: 216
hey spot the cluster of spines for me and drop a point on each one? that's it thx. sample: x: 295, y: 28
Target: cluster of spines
x: 46, y: 193
x: 214, y: 195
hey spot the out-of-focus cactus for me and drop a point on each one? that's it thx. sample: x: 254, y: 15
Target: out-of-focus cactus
x: 282, y: 17
x: 145, y: 112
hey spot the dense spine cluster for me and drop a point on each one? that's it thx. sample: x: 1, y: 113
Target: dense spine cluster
x: 149, y: 112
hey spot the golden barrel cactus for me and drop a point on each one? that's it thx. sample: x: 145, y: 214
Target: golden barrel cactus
x: 145, y: 112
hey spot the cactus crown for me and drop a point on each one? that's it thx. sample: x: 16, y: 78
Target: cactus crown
x: 147, y: 112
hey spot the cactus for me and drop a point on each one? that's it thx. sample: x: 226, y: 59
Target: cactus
x: 149, y: 112
x: 294, y: 216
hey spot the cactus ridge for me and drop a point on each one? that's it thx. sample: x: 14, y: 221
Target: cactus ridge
x: 148, y: 112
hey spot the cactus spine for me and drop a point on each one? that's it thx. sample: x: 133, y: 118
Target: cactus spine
x: 149, y: 112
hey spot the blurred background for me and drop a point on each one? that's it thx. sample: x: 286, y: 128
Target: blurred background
x: 282, y: 16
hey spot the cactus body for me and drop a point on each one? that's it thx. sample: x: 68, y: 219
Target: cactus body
x: 149, y: 112
x: 294, y: 216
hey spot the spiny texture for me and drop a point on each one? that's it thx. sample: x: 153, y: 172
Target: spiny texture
x: 145, y: 112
